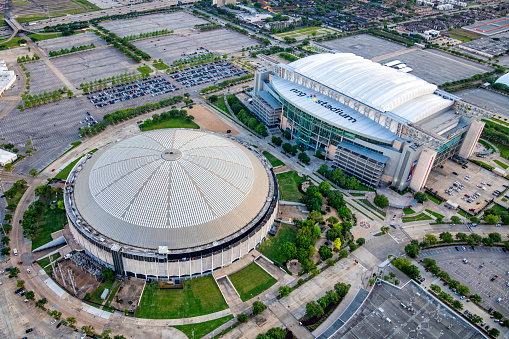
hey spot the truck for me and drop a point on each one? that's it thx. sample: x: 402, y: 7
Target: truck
x: 15, y: 251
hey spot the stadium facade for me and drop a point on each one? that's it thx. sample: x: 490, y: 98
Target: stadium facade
x: 374, y: 122
x: 171, y: 204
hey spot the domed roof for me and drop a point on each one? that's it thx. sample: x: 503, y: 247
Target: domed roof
x: 175, y: 188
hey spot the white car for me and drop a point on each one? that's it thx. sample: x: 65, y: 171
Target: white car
x: 53, y: 321
x: 499, y: 300
x: 28, y: 271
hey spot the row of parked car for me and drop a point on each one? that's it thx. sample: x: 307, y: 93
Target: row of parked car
x: 211, y: 72
x: 152, y: 86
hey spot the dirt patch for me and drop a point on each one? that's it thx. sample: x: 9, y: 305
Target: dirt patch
x: 209, y: 121
x: 282, y: 169
x: 128, y: 295
x: 83, y: 281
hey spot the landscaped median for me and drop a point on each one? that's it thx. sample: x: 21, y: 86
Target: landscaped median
x: 251, y: 281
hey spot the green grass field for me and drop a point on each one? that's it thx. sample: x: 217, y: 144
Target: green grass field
x: 160, y: 66
x: 501, y: 164
x: 144, y: 69
x: 487, y: 145
x: 14, y: 42
x: 87, y: 4
x: 49, y: 220
x: 36, y: 17
x: 63, y: 174
x: 272, y: 245
x: 499, y: 209
x: 435, y: 214
x: 198, y: 297
x: 307, y: 31
x: 421, y: 216
x: 408, y: 211
x: 17, y: 197
x: 463, y: 35
x: 432, y: 198
x: 47, y: 36
x: 289, y: 186
x: 46, y: 261
x: 200, y: 330
x: 172, y: 123
x: 275, y: 162
x: 96, y: 295
x: 251, y: 281
x: 363, y: 187
x: 221, y: 105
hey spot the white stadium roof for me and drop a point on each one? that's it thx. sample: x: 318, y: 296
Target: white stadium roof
x: 175, y: 188
x: 504, y: 79
x: 331, y: 111
x: 381, y: 87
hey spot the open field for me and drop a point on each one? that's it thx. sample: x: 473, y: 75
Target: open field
x: 176, y: 21
x: 306, y: 32
x: 209, y: 121
x: 91, y: 65
x: 463, y: 35
x: 289, y: 186
x: 364, y: 45
x: 198, y: 297
x: 439, y: 67
x: 51, y: 220
x: 271, y: 247
x: 68, y: 41
x: 275, y: 162
x: 197, y: 331
x: 98, y: 3
x: 42, y: 78
x: 172, y: 123
x: 251, y: 281
x: 169, y: 48
x: 96, y: 295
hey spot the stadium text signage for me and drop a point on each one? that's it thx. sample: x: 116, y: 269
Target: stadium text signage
x: 325, y: 104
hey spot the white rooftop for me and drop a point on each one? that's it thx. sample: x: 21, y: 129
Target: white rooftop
x: 504, y: 79
x: 331, y: 111
x: 383, y: 88
x: 175, y: 188
x: 7, y: 157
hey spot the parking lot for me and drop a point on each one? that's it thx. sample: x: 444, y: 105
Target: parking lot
x: 364, y: 45
x: 439, y: 67
x: 494, y: 261
x: 68, y: 42
x: 211, y: 73
x: 479, y: 181
x: 153, y: 86
x: 42, y: 78
x: 94, y: 65
x: 497, y: 103
x: 176, y: 21
x: 172, y: 47
x: 51, y: 127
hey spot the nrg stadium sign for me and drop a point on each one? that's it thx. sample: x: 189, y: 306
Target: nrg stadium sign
x: 325, y: 104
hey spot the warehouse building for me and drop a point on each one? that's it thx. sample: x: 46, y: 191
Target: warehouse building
x: 375, y: 122
x: 171, y: 204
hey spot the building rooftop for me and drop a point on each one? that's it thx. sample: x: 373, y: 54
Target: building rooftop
x: 7, y: 157
x: 380, y: 87
x: 269, y: 99
x: 362, y: 151
x: 489, y: 27
x: 332, y: 111
x: 175, y: 188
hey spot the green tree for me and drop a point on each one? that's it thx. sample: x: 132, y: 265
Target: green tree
x: 325, y: 252
x: 89, y: 330
x: 435, y: 288
x: 476, y: 298
x: 258, y: 307
x: 446, y: 237
x: 494, y: 332
x: 5, y: 240
x: 381, y: 201
x: 463, y: 290
x: 284, y: 291
x: 496, y: 237
x: 288, y: 251
x: 20, y: 283
x: 108, y: 274
x: 420, y: 197
x: 461, y: 236
x: 412, y: 250
x: 455, y: 219
x: 41, y: 302
x: 276, y: 333
x: 72, y: 321
x: 242, y: 318
x: 313, y: 310
x: 341, y: 289
x: 457, y: 304
x: 361, y: 241
x: 498, y: 315
x: 430, y: 238
x: 491, y: 219
x: 30, y: 295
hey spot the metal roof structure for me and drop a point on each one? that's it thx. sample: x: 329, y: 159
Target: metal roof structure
x: 504, y: 79
x: 176, y: 188
x: 383, y: 88
x: 331, y: 111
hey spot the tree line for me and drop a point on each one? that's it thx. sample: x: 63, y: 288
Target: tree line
x: 245, y: 116
x: 26, y: 58
x: 172, y: 114
x: 122, y: 44
x: 495, y: 132
x: 44, y: 98
x: 73, y: 49
x: 148, y: 34
x: 339, y: 178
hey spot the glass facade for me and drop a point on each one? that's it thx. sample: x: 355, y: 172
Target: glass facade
x: 312, y: 132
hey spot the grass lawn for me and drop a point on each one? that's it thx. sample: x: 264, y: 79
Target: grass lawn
x: 482, y: 163
x: 463, y: 35
x: 96, y: 295
x: 251, y: 281
x: 48, y: 221
x: 487, y: 145
x: 36, y: 17
x: 14, y: 42
x: 499, y: 209
x: 363, y: 187
x: 40, y: 37
x: 172, y: 123
x: 361, y: 212
x: 306, y: 31
x: 198, y: 297
x: 500, y: 121
x: 272, y: 245
x: 160, y: 66
x: 221, y: 105
x: 200, y: 330
x: 144, y: 69
x: 63, y: 174
x: 501, y: 164
x: 432, y: 198
x: 504, y: 150
x: 46, y: 261
x: 88, y: 4
x: 112, y: 295
x: 289, y: 186
x: 17, y: 197
x: 421, y: 216
x: 463, y: 213
x: 408, y: 211
x: 435, y: 214
x: 373, y: 207
x: 275, y: 162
